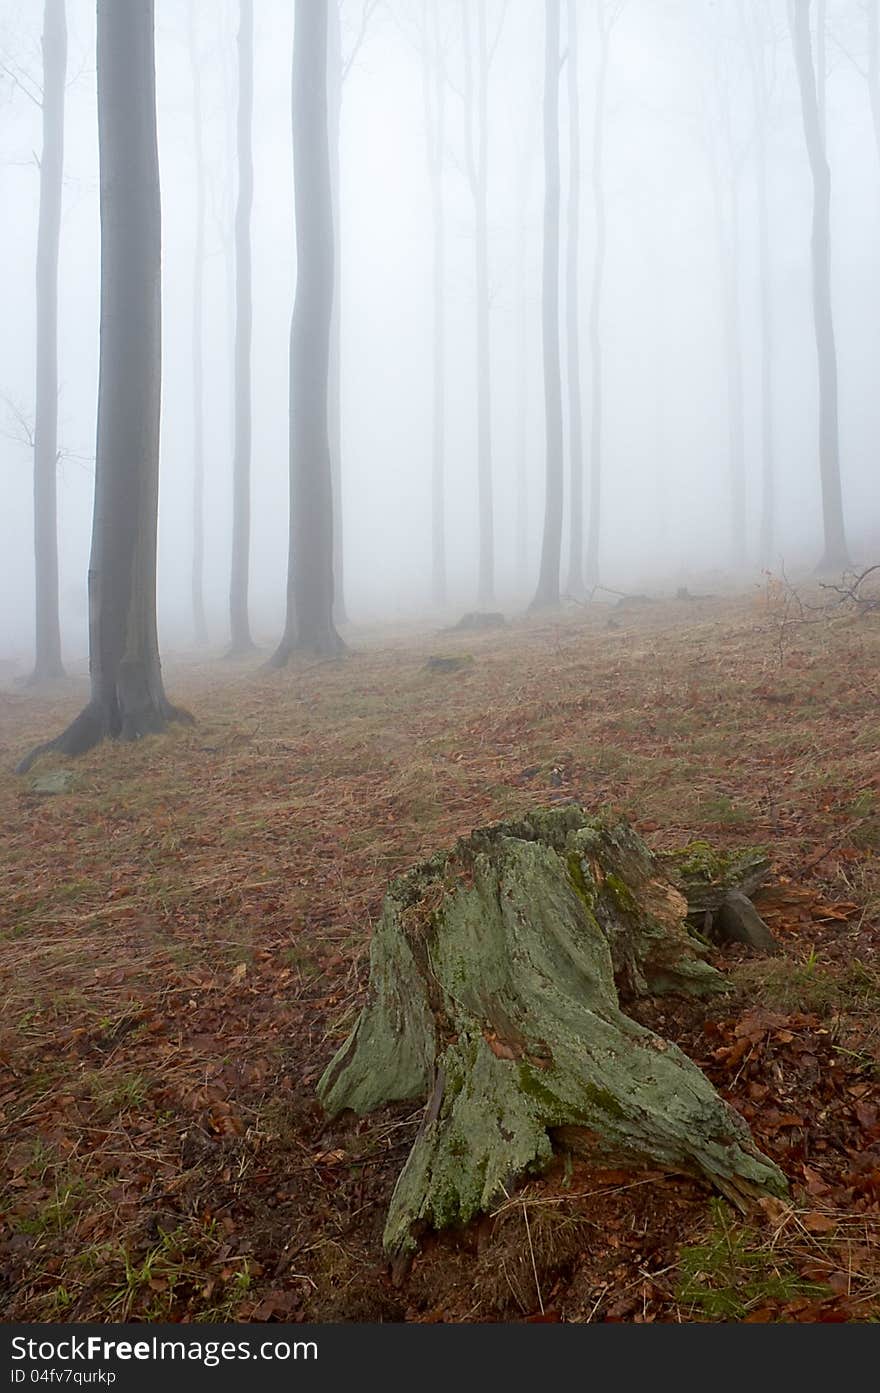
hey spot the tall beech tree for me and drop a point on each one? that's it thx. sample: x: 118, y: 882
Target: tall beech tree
x: 725, y: 168
x: 759, y: 48
x: 338, y: 67
x: 835, y: 554
x: 873, y: 71
x: 607, y: 15
x: 200, y: 627
x: 47, y: 657
x: 547, y: 593
x: 239, y: 621
x: 309, y: 626
x: 434, y: 100
x: 479, y: 51
x: 127, y: 694
x: 575, y: 583
x: 335, y: 76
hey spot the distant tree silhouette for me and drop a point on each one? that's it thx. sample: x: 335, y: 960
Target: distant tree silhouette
x: 309, y: 625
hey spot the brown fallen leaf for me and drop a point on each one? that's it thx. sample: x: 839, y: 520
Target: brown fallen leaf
x: 819, y: 1223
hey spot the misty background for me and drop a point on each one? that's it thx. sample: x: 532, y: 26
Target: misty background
x: 675, y: 68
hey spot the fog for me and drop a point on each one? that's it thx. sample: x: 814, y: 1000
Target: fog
x: 679, y: 105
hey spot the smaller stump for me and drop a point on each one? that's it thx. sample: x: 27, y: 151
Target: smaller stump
x: 718, y: 887
x: 494, y: 978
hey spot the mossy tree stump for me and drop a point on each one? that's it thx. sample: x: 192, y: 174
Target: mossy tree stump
x: 718, y: 886
x: 494, y: 979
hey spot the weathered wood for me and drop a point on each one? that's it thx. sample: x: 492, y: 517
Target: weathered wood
x: 494, y: 992
x: 718, y: 887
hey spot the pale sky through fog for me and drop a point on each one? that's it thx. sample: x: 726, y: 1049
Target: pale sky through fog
x: 665, y: 423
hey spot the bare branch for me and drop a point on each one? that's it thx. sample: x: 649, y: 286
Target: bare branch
x: 501, y: 21
x: 24, y: 82
x: 367, y: 12
x: 849, y: 592
x: 839, y: 44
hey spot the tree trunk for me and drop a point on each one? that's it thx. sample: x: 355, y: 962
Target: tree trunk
x: 822, y: 67
x: 767, y: 534
x: 575, y: 585
x: 334, y: 389
x: 547, y: 593
x: 836, y: 553
x: 874, y: 67
x: 200, y: 627
x: 127, y: 695
x: 496, y: 975
x: 47, y: 658
x: 727, y: 238
x: 477, y: 164
x: 240, y: 631
x: 522, y: 382
x: 309, y: 625
x: 755, y: 41
x: 434, y: 93
x: 594, y: 530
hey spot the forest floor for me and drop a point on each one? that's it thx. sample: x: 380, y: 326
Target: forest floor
x: 185, y: 934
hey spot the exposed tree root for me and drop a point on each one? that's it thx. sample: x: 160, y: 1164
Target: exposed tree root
x: 97, y: 722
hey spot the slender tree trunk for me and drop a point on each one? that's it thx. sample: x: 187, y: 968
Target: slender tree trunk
x: 47, y: 661
x: 597, y: 402
x: 522, y: 383
x: 835, y: 555
x: 477, y: 163
x: 241, y: 640
x: 822, y: 65
x: 727, y: 238
x: 767, y: 535
x: 309, y: 625
x: 547, y: 593
x: 127, y: 694
x: 755, y: 43
x: 575, y: 585
x: 198, y: 565
x: 434, y: 93
x: 874, y: 67
x: 334, y: 424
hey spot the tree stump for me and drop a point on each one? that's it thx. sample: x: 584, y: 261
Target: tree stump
x: 718, y: 887
x: 494, y: 980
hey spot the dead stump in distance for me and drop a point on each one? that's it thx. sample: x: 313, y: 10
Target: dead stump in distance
x: 494, y: 977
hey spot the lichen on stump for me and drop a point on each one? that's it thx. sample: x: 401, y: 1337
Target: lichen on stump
x: 494, y: 976
x: 718, y: 887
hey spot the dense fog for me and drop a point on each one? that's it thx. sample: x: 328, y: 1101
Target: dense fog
x: 679, y: 165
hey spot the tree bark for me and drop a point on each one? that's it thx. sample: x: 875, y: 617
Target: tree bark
x: 127, y: 694
x: 240, y: 632
x: 836, y: 552
x: 547, y: 593
x: 725, y: 192
x: 334, y: 408
x: 476, y: 155
x: 434, y: 95
x: 522, y: 379
x: 496, y: 978
x: 309, y: 626
x: 873, y: 16
x: 47, y: 658
x: 200, y: 627
x: 575, y: 584
x: 755, y: 48
x: 594, y: 531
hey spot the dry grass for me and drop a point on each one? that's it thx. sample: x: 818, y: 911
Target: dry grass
x: 184, y: 938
